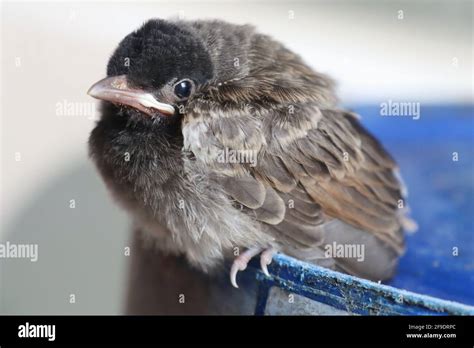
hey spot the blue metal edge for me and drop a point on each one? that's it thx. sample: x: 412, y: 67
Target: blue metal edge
x: 348, y: 293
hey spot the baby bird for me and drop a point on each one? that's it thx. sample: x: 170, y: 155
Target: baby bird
x: 231, y: 142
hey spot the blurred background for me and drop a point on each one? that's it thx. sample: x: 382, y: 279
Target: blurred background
x: 51, y: 52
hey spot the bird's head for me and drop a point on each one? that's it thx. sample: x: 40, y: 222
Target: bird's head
x: 166, y: 73
x: 159, y: 69
x: 155, y: 71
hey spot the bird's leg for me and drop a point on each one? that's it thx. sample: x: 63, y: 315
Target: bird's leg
x: 241, y: 261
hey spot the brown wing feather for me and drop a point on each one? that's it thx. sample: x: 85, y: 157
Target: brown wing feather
x: 314, y: 167
x: 351, y: 177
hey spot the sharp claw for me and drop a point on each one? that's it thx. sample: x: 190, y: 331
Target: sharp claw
x: 265, y: 259
x: 236, y: 267
x: 240, y: 263
x: 263, y: 266
x: 233, y: 277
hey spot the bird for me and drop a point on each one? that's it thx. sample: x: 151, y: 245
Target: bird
x: 225, y: 145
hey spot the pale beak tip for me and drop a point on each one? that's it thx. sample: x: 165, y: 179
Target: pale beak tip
x: 92, y: 91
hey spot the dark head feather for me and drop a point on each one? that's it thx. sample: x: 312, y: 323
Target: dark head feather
x: 158, y: 52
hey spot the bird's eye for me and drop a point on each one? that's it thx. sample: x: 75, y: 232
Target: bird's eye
x: 183, y: 88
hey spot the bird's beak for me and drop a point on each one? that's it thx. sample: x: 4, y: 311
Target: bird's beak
x: 116, y: 90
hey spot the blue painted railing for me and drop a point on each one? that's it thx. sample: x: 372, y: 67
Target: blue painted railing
x: 436, y: 157
x: 347, y: 293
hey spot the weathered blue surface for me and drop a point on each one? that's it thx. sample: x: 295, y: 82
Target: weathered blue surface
x: 441, y: 197
x: 348, y: 293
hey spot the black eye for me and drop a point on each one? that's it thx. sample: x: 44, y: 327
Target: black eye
x: 183, y: 88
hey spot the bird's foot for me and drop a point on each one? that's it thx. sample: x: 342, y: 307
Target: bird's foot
x: 241, y: 261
